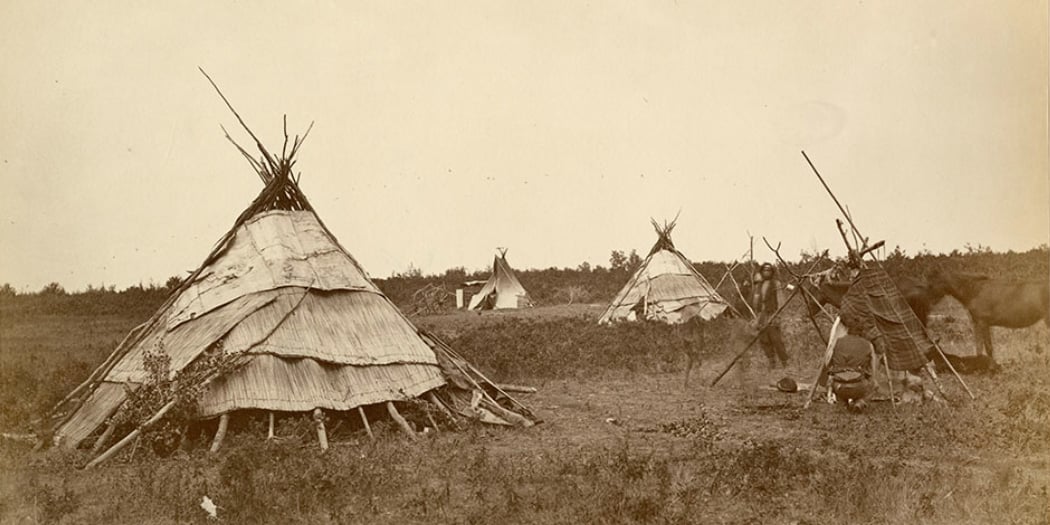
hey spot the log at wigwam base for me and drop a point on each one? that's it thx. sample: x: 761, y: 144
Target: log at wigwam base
x: 108, y: 433
x: 517, y: 388
x: 131, y: 436
x: 396, y: 416
x: 434, y: 399
x: 322, y: 435
x: 220, y: 433
x: 364, y: 419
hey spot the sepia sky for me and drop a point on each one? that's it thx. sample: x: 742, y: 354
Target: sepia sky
x: 557, y: 129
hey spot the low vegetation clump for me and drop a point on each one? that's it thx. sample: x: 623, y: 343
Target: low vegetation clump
x: 529, y: 349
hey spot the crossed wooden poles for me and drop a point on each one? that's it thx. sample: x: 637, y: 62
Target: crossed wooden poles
x: 856, y: 256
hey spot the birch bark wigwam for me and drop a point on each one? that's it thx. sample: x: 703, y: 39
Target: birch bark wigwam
x: 298, y: 324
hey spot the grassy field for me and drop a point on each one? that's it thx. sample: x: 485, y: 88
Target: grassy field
x: 622, y: 441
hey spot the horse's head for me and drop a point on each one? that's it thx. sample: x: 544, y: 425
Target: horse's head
x: 819, y: 291
x: 943, y: 282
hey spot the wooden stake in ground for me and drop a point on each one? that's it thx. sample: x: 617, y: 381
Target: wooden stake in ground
x: 364, y: 419
x: 889, y: 381
x: 322, y: 435
x: 396, y: 416
x: 108, y: 433
x: 269, y: 432
x: 434, y: 399
x: 823, y: 363
x: 220, y: 433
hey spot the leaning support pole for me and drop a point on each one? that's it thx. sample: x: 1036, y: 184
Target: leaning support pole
x: 741, y: 295
x: 824, y: 362
x: 220, y: 433
x: 434, y: 399
x: 755, y: 339
x: 131, y: 436
x: 950, y: 367
x: 108, y: 433
x: 433, y: 423
x: 396, y: 416
x: 509, y: 416
x: 889, y: 381
x: 322, y: 435
x: 928, y: 368
x: 364, y: 419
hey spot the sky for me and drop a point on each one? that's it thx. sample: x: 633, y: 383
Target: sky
x: 443, y: 130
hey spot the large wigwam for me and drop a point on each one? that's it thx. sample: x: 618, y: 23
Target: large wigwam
x: 279, y: 317
x: 666, y: 287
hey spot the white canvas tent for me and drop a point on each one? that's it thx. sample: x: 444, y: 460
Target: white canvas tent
x: 307, y: 326
x: 502, y: 290
x: 665, y: 288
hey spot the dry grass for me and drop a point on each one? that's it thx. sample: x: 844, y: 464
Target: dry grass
x: 622, y: 442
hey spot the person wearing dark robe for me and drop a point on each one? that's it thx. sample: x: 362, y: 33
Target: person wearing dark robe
x: 765, y: 303
x: 850, y: 369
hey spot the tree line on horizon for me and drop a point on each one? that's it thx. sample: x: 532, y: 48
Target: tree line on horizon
x: 586, y: 283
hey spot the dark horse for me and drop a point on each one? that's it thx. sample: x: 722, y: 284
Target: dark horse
x: 995, y: 302
x: 919, y: 295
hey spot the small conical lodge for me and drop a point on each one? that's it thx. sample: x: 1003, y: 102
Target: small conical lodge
x: 301, y: 327
x: 665, y: 288
x: 502, y: 290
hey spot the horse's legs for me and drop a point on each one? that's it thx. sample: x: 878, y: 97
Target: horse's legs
x: 688, y: 366
x: 984, y: 339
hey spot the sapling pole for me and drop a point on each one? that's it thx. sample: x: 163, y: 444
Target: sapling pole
x: 131, y: 436
x: 91, y: 378
x: 928, y: 368
x: 889, y: 381
x: 396, y: 416
x: 322, y: 436
x: 269, y: 431
x: 833, y: 197
x: 950, y: 367
x: 433, y: 423
x: 757, y: 336
x: 434, y: 399
x: 798, y: 280
x: 742, y: 298
x: 220, y: 433
x: 827, y: 357
x: 511, y: 417
x: 364, y: 419
x: 729, y: 270
x: 518, y: 388
x: 108, y: 433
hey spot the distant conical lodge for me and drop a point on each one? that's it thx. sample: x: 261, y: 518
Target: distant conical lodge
x: 666, y: 287
x: 502, y: 290
x: 308, y: 328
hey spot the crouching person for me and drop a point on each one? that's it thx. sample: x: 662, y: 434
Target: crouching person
x: 849, y: 371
